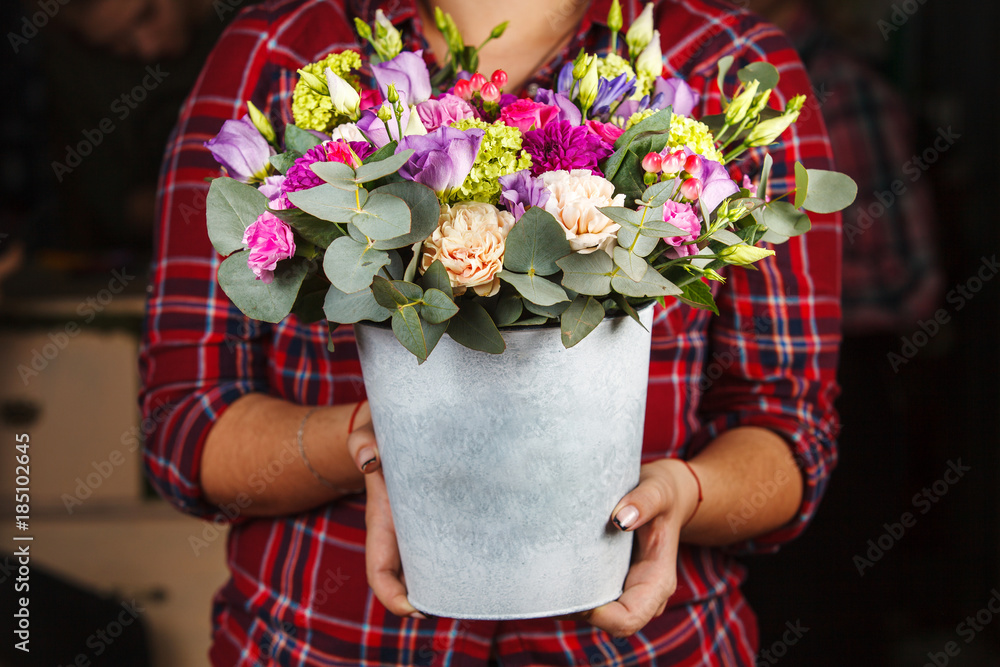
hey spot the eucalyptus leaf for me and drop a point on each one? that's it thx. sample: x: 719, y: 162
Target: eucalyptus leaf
x: 474, y: 328
x: 829, y: 191
x: 381, y: 154
x: 359, y: 306
x: 801, y: 185
x: 655, y: 226
x: 384, y: 216
x: 424, y: 212
x: 411, y: 269
x: 508, y: 310
x: 764, y: 72
x: 284, y: 161
x: 394, y: 269
x: 437, y: 307
x: 582, y: 317
x: 350, y: 265
x: 726, y: 236
x: 548, y: 312
x: 628, y: 309
x: 657, y: 194
x: 371, y: 171
x: 309, y: 307
x: 587, y: 274
x: 633, y: 265
x: 725, y: 62
x: 416, y: 336
x: 534, y: 288
x: 267, y: 302
x: 535, y: 243
x: 436, y: 277
x: 299, y: 140
x: 784, y: 219
x: 312, y: 229
x: 629, y: 237
x: 337, y: 174
x: 330, y: 203
x: 765, y: 174
x: 395, y: 293
x: 652, y: 284
x: 231, y: 208
x: 622, y: 215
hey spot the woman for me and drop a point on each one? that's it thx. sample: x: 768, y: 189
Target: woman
x: 745, y: 397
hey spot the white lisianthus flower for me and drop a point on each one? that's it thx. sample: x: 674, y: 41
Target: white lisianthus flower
x: 346, y: 100
x: 575, y: 199
x: 347, y: 132
x: 469, y: 242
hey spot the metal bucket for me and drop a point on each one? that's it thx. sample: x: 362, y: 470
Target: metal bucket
x: 503, y: 470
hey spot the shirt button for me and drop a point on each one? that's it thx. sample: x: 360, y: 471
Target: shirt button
x: 532, y: 89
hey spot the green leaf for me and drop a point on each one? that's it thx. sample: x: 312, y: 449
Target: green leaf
x: 657, y: 124
x: 656, y: 227
x: 725, y: 62
x: 622, y: 215
x: 801, y: 185
x: 267, y: 302
x: 411, y: 269
x: 384, y: 217
x: 582, y: 317
x: 764, y: 72
x: 381, y: 154
x: 231, y: 208
x: 657, y: 194
x: 531, y: 321
x: 309, y: 307
x: 415, y: 335
x: 355, y: 307
x: 633, y: 266
x: 438, y: 306
x: 783, y: 218
x: 652, y: 284
x: 312, y: 229
x: 726, y: 236
x: 627, y: 308
x: 350, y: 265
x: 534, y: 288
x: 298, y: 140
x: 371, y: 171
x: 436, y: 277
x: 548, y: 311
x: 535, y: 243
x: 284, y: 161
x: 327, y: 202
x: 587, y: 274
x: 829, y: 191
x: 474, y: 328
x: 424, y: 213
x: 643, y: 245
x: 395, y: 268
x: 395, y: 293
x: 699, y: 295
x: 765, y: 173
x: 508, y: 310
x: 337, y: 174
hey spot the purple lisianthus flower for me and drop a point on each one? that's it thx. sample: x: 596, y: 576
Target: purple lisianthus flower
x: 521, y: 190
x: 716, y: 183
x: 562, y: 145
x: 567, y: 110
x: 677, y: 94
x: 444, y: 111
x: 269, y: 240
x: 240, y: 148
x: 442, y: 158
x: 409, y: 72
x: 273, y: 186
x: 301, y: 177
x: 611, y: 90
x: 564, y: 84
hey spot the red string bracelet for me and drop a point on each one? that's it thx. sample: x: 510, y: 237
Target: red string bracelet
x: 350, y: 424
x: 700, y: 497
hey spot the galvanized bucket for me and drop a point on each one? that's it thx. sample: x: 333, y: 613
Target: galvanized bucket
x: 503, y: 470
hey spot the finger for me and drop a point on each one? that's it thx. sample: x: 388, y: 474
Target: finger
x: 649, y: 499
x: 382, y: 562
x: 363, y: 448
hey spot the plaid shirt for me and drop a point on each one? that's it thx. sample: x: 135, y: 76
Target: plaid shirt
x: 298, y: 594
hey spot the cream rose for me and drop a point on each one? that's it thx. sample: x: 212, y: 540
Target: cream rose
x: 469, y: 241
x: 575, y: 199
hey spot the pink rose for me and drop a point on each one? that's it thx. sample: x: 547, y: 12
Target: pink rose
x: 444, y: 111
x: 269, y: 240
x: 607, y: 132
x: 525, y: 114
x: 683, y: 217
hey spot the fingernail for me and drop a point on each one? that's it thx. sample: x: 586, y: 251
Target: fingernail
x: 417, y: 614
x: 368, y: 456
x: 626, y: 517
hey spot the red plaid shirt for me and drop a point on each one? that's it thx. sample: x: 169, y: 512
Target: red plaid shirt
x: 298, y: 594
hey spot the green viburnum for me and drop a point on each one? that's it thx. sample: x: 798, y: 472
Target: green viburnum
x: 695, y: 135
x: 314, y: 111
x: 499, y: 154
x: 638, y: 117
x: 613, y: 65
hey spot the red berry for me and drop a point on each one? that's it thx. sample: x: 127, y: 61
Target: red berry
x: 692, y: 164
x: 673, y: 162
x: 499, y: 78
x: 652, y: 163
x: 477, y: 81
x: 463, y: 89
x: 490, y: 92
x: 691, y: 189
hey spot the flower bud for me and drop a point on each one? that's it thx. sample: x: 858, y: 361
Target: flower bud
x: 649, y: 64
x: 640, y: 33
x: 317, y: 84
x: 691, y: 189
x: 589, y: 84
x: 346, y: 100
x: 652, y: 163
x: 463, y: 89
x: 477, y: 81
x: 388, y: 42
x: 580, y: 65
x: 760, y: 104
x: 648, y: 179
x: 385, y: 113
x: 766, y: 132
x: 499, y: 79
x: 615, y: 17
x: 740, y: 105
x: 744, y: 254
x: 673, y: 162
x: 262, y: 123
x: 363, y: 29
x: 498, y: 31
x: 391, y: 94
x: 490, y: 92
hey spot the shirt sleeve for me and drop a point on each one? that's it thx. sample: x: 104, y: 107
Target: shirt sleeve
x: 199, y: 352
x: 780, y: 324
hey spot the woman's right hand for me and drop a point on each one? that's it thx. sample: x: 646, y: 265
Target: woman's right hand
x: 383, y: 565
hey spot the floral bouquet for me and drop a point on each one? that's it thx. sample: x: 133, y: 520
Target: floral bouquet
x: 447, y: 205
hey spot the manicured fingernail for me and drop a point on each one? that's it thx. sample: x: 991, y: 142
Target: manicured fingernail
x: 417, y: 614
x: 626, y: 517
x: 368, y: 456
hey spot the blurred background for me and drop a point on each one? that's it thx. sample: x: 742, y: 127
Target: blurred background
x: 901, y: 566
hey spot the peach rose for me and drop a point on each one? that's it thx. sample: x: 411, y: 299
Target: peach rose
x: 575, y: 199
x: 469, y: 241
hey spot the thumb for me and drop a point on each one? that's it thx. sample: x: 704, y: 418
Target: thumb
x: 654, y: 495
x: 363, y: 449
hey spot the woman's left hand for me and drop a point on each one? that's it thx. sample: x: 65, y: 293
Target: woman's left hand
x: 657, y: 509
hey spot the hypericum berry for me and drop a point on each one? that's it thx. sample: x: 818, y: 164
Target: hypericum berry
x: 691, y: 189
x: 490, y: 92
x: 673, y: 162
x: 652, y: 163
x: 499, y: 79
x: 477, y: 82
x: 692, y: 164
x: 463, y: 89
